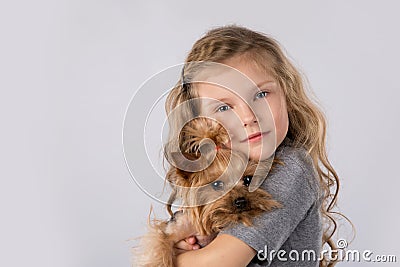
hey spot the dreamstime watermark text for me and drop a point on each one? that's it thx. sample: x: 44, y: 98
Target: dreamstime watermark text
x: 340, y: 254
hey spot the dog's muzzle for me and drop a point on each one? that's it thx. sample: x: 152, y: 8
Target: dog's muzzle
x: 240, y: 203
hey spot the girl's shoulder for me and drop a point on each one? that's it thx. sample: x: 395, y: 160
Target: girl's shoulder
x: 294, y: 156
x: 297, y: 170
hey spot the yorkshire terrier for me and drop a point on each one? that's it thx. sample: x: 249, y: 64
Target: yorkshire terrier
x: 212, y: 183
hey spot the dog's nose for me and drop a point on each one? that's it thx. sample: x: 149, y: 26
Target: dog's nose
x: 240, y: 202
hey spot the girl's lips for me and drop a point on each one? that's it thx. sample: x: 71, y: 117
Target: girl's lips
x: 255, y: 137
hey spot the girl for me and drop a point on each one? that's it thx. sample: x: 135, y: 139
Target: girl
x: 305, y: 184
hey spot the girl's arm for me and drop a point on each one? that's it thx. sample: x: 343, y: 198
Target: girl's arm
x: 224, y: 250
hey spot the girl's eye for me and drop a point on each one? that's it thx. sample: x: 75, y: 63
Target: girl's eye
x: 223, y: 108
x: 217, y: 185
x: 247, y: 180
x: 261, y: 94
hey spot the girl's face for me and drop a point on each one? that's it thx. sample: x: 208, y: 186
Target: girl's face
x: 252, y: 109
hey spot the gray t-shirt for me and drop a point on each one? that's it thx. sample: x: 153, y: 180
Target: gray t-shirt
x: 297, y: 225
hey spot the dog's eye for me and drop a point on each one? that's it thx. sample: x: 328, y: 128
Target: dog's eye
x: 218, y: 185
x: 247, y: 180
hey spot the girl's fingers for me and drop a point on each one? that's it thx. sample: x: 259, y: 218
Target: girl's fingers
x: 183, y: 245
x: 191, y: 240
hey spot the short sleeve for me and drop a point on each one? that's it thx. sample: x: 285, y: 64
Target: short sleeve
x: 292, y: 186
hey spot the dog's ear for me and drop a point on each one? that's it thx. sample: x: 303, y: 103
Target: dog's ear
x: 187, y: 162
x: 177, y: 177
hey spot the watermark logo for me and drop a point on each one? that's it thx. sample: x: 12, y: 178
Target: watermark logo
x: 341, y: 254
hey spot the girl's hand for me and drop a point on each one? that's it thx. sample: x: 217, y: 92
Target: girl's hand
x: 185, y: 245
x: 193, y: 243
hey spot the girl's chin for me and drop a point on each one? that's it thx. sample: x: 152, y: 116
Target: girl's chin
x: 261, y: 154
x: 256, y: 151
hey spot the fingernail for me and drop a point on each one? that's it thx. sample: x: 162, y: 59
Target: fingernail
x: 196, y: 247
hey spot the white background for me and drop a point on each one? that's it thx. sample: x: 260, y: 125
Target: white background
x: 69, y: 69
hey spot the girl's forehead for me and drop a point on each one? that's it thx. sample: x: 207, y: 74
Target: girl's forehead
x: 214, y: 92
x: 233, y: 80
x: 234, y: 85
x: 237, y: 76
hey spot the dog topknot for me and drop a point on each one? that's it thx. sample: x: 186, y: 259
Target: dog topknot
x: 202, y: 135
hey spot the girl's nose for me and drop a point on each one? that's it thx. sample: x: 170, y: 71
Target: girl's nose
x: 247, y: 115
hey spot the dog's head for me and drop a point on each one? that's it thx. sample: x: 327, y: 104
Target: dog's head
x: 212, y: 181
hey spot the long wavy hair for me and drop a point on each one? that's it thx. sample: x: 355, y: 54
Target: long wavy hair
x: 307, y: 123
